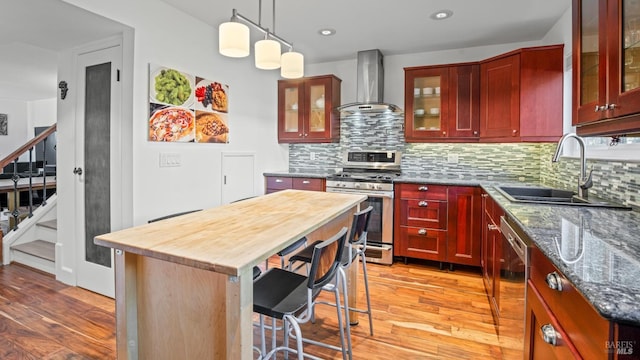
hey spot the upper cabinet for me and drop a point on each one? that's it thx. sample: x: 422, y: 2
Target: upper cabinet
x: 606, y: 66
x: 521, y: 95
x: 441, y: 103
x: 307, y: 110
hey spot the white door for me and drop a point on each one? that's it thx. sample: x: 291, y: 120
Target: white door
x: 237, y: 176
x: 97, y: 164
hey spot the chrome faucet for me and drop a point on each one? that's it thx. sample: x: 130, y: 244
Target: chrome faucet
x: 585, y: 181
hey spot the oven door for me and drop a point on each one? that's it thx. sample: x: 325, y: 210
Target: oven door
x: 380, y: 232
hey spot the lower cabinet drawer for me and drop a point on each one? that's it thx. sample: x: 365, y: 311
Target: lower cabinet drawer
x: 279, y: 182
x: 581, y: 322
x: 421, y: 243
x: 423, y: 191
x: 312, y: 184
x: 430, y: 214
x: 546, y: 338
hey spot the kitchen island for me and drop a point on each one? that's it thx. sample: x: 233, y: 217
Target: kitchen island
x: 184, y: 285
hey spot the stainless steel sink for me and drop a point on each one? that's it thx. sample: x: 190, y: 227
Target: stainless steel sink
x: 542, y: 195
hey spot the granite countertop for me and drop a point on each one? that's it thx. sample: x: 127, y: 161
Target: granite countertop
x: 596, y: 249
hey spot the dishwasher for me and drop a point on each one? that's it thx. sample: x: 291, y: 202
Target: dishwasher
x: 514, y: 273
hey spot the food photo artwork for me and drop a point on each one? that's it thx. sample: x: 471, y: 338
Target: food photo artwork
x: 186, y: 108
x: 4, y: 125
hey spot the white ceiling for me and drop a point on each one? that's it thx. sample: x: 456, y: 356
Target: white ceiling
x: 33, y: 31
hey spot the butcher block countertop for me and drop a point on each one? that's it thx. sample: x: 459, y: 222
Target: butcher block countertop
x: 232, y: 238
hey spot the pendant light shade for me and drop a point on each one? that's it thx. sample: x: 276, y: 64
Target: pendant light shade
x: 292, y: 65
x: 233, y: 39
x: 267, y: 54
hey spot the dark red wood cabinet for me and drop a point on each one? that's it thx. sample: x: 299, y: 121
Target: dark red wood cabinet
x: 307, y: 110
x: 438, y: 222
x: 442, y: 103
x: 606, y: 67
x: 521, y: 95
x: 277, y: 183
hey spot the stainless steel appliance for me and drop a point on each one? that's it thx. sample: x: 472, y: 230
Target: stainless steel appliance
x: 371, y: 173
x: 513, y: 283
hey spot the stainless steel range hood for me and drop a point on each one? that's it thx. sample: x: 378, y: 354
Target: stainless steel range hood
x: 370, y: 86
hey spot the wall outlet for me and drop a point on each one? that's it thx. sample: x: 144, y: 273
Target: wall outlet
x: 452, y: 158
x: 312, y: 155
x: 170, y: 160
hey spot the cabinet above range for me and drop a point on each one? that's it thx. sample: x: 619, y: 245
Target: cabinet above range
x: 307, y: 110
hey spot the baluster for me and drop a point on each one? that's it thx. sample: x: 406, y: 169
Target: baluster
x: 44, y: 172
x: 31, y: 182
x: 15, y: 213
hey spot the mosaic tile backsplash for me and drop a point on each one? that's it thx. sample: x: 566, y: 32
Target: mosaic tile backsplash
x: 527, y: 162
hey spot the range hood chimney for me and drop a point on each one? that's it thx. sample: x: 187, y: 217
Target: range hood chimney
x: 370, y: 85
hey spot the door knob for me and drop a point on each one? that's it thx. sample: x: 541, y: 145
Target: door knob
x: 77, y: 171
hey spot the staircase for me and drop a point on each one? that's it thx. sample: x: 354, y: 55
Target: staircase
x: 40, y: 253
x: 29, y: 234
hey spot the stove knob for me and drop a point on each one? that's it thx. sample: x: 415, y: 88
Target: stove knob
x: 356, y: 186
x: 378, y: 187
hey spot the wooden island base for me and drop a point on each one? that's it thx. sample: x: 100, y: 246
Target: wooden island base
x: 182, y: 292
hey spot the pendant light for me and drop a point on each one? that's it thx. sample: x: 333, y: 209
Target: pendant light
x: 267, y: 53
x: 292, y: 65
x: 233, y: 39
x: 234, y: 42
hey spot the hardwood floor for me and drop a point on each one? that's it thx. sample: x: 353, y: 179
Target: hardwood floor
x: 420, y: 312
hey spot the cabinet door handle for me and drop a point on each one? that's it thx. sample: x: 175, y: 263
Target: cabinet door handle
x: 423, y: 203
x: 422, y: 232
x: 306, y: 182
x: 300, y: 134
x: 549, y: 334
x: 423, y: 188
x: 515, y: 132
x: 611, y: 106
x: 306, y: 134
x: 279, y: 180
x: 492, y: 227
x: 554, y: 281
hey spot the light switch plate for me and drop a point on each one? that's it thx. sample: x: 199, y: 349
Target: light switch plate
x: 170, y: 160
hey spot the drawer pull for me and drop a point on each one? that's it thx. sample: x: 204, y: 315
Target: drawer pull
x: 554, y: 281
x: 279, y: 180
x: 422, y: 232
x: 423, y: 188
x: 549, y: 334
x: 306, y: 182
x: 423, y: 203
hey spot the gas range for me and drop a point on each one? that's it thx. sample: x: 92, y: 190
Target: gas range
x: 367, y: 171
x: 372, y: 173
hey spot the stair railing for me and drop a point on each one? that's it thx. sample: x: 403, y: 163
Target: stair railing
x: 29, y: 146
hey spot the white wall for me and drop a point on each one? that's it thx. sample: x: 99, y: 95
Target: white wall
x: 41, y: 113
x: 23, y: 117
x: 252, y: 109
x: 17, y: 132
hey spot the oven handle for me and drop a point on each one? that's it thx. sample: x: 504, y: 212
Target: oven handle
x: 367, y: 193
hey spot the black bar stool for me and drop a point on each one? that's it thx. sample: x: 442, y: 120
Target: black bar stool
x: 355, y: 248
x: 290, y: 296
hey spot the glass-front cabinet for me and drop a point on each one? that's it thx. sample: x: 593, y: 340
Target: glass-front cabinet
x: 606, y: 64
x: 307, y: 110
x: 441, y: 102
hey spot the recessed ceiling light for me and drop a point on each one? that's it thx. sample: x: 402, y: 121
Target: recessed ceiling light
x: 326, y: 32
x: 442, y: 14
